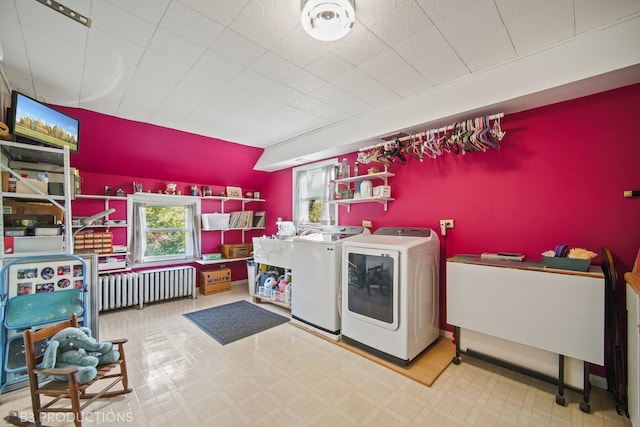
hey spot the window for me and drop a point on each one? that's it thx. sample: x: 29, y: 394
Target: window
x: 311, y: 195
x: 163, y: 228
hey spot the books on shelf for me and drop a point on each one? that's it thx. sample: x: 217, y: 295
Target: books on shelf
x: 502, y: 256
x: 241, y: 219
x: 259, y: 219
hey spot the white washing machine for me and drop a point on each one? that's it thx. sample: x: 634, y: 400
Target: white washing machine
x: 390, y: 292
x: 316, y: 292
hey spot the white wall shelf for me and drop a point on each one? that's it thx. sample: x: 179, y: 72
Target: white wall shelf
x: 384, y: 176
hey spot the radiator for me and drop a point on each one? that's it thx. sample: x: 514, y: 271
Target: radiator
x: 121, y: 290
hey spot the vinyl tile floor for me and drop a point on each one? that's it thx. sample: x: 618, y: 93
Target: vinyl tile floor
x: 286, y: 376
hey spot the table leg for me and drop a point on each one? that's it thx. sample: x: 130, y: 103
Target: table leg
x: 456, y: 358
x: 584, y: 405
x: 560, y: 398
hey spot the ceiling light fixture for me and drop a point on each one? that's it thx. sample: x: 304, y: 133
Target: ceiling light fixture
x: 328, y: 20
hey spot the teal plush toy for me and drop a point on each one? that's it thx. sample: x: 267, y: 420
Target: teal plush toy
x: 76, y: 347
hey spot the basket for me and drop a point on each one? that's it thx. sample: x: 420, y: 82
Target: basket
x: 563, y: 263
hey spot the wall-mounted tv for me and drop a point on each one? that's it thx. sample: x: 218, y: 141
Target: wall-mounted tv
x: 35, y: 122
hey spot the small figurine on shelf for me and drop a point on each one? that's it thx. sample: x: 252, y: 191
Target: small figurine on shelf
x: 171, y: 188
x: 206, y: 191
x: 107, y: 191
x: 137, y: 187
x: 120, y: 192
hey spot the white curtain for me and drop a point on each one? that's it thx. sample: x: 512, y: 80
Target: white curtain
x: 138, y: 238
x: 313, y: 184
x: 195, y: 230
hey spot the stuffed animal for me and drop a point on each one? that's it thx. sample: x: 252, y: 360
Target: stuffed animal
x: 76, y: 347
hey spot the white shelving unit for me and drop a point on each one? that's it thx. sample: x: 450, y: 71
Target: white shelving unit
x: 223, y: 200
x: 384, y: 176
x: 119, y: 265
x: 44, y: 155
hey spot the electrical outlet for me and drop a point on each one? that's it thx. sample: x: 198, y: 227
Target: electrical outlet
x: 447, y: 222
x: 366, y: 223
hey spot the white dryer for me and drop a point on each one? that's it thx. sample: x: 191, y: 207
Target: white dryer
x: 390, y: 292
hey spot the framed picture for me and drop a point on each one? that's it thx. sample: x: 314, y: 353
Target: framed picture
x: 235, y: 192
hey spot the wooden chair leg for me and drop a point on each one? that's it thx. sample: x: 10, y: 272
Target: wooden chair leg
x: 74, y: 396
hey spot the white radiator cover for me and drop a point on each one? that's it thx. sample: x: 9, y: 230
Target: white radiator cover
x: 129, y: 289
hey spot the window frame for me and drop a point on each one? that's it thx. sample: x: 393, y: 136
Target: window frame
x: 294, y: 201
x: 151, y: 199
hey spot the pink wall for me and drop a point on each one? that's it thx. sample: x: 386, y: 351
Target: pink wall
x: 559, y: 177
x: 116, y: 152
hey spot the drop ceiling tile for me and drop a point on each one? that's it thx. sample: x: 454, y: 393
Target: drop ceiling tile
x: 223, y: 11
x: 339, y: 99
x: 149, y: 10
x: 104, y: 81
x: 329, y: 66
x: 306, y: 103
x: 158, y: 70
x: 432, y: 56
x: 22, y: 83
x: 237, y: 48
x: 53, y: 66
x: 300, y: 49
x: 57, y: 95
x: 251, y: 81
x: 591, y: 14
x: 107, y: 104
x: 273, y: 66
x: 175, y: 48
x: 303, y: 81
x: 141, y: 101
x: 534, y: 25
x: 265, y: 23
x: 382, y: 64
x: 482, y: 44
x: 235, y: 91
x: 360, y: 46
x: 392, y: 71
x: 190, y: 25
x: 105, y: 49
x: 121, y: 23
x: 198, y: 84
x: 218, y: 66
x: 366, y: 88
x: 52, y: 27
x: 281, y: 93
x: 399, y: 23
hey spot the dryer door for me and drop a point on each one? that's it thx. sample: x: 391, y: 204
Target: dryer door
x: 370, y: 285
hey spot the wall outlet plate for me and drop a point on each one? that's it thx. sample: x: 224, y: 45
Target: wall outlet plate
x: 447, y: 222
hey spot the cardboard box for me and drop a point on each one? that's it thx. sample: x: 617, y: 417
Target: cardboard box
x: 239, y: 250
x: 212, y: 281
x: 8, y: 182
x: 23, y: 188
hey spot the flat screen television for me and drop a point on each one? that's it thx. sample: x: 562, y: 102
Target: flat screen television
x: 34, y: 122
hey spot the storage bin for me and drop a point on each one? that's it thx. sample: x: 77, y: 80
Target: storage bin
x: 213, y: 281
x: 563, y: 263
x: 239, y: 250
x: 382, y: 191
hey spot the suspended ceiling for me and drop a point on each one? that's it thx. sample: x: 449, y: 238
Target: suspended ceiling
x: 245, y: 71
